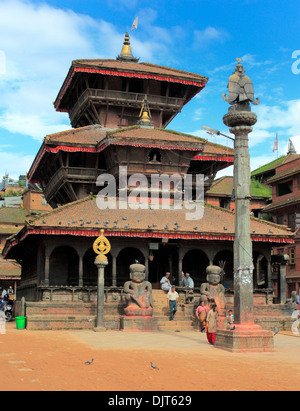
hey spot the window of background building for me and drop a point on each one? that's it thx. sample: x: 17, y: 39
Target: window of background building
x: 292, y: 256
x: 292, y: 222
x: 280, y: 219
x: 285, y: 188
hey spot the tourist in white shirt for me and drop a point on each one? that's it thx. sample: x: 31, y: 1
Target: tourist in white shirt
x: 173, y: 299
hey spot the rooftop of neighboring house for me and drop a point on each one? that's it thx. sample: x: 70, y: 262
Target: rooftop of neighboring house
x: 224, y: 186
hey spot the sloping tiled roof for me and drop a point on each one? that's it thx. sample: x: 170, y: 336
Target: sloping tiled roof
x: 224, y: 186
x: 87, y: 136
x: 94, y: 135
x: 84, y: 218
x: 9, y: 270
x: 284, y: 174
x: 9, y: 229
x: 129, y: 69
x: 12, y: 215
x: 285, y: 203
x: 274, y: 164
x: 94, y: 138
x: 147, y: 68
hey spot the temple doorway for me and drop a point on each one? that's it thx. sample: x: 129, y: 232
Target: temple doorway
x: 195, y: 263
x: 126, y: 257
x: 162, y: 260
x: 64, y: 266
x: 225, y: 257
x: 260, y: 273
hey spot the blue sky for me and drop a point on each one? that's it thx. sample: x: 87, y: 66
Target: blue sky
x: 38, y: 41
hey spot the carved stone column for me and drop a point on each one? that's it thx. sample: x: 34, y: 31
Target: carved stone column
x: 247, y: 336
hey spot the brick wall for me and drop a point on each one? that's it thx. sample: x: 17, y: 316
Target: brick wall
x: 33, y: 200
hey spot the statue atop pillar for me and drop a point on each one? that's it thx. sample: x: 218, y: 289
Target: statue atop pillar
x: 240, y: 87
x: 212, y: 289
x: 138, y: 293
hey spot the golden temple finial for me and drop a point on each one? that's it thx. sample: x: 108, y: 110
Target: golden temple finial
x: 126, y: 53
x: 145, y: 115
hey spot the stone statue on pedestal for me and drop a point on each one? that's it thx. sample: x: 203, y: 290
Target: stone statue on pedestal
x: 138, y: 293
x: 212, y: 289
x: 240, y: 87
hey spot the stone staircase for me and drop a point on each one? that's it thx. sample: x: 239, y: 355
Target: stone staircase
x: 183, y: 321
x: 59, y: 316
x: 80, y: 315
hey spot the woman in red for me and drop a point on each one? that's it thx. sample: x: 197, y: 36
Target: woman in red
x: 211, y: 324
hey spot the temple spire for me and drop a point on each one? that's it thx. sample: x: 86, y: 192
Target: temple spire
x: 126, y: 53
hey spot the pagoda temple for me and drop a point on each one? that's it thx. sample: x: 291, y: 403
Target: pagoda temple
x: 119, y: 110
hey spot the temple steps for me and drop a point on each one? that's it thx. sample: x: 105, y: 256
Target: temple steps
x: 183, y: 321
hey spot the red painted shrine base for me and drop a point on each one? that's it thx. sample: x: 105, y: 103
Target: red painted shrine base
x: 245, y: 338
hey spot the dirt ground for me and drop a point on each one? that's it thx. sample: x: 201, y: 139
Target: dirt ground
x: 55, y: 361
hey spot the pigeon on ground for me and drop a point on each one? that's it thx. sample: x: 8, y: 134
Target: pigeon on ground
x: 276, y: 331
x: 89, y: 319
x: 89, y: 362
x: 154, y: 366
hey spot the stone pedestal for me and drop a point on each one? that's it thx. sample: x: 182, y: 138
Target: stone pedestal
x: 245, y: 339
x: 138, y: 323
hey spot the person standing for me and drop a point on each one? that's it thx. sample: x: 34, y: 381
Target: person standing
x: 211, y: 325
x: 201, y: 314
x: 172, y: 300
x: 165, y: 282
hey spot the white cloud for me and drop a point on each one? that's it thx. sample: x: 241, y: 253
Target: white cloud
x: 208, y: 35
x: 19, y: 161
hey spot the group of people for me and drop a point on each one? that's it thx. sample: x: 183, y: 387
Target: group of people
x: 187, y: 281
x: 206, y: 312
x: 7, y: 292
x: 207, y: 315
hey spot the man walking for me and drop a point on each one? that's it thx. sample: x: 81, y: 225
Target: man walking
x: 173, y: 299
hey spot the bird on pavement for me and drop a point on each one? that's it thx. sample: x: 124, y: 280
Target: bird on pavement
x: 89, y: 362
x: 154, y: 366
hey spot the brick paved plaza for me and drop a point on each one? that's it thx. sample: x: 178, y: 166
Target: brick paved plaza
x: 54, y: 360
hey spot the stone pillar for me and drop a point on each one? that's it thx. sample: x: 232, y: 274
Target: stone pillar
x: 147, y: 267
x: 180, y: 259
x: 47, y: 269
x: 80, y: 279
x: 101, y: 264
x: 247, y: 336
x: 240, y: 118
x: 101, y: 247
x: 114, y: 270
x: 269, y: 285
x: 282, y: 279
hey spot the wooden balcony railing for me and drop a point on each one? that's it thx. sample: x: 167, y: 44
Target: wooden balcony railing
x: 73, y: 174
x: 121, y: 97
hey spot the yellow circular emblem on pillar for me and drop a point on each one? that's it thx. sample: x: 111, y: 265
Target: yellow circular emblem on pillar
x: 101, y: 246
